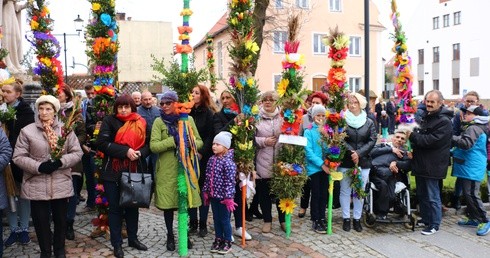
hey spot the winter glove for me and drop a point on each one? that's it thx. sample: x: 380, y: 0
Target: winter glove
x: 205, y: 197
x: 48, y: 167
x: 230, y: 204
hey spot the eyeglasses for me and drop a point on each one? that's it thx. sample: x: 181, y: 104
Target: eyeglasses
x: 166, y: 103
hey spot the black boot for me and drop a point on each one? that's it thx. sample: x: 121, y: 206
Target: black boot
x: 346, y: 225
x: 203, y: 229
x: 69, y: 234
x: 357, y: 225
x: 118, y: 251
x: 193, y: 227
x: 170, y: 242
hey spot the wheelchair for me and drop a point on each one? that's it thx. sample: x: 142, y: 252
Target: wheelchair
x: 400, y: 210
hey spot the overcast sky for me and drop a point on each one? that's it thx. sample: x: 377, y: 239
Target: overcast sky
x: 206, y: 13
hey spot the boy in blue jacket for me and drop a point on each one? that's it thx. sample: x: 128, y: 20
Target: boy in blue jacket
x: 469, y: 157
x: 219, y: 190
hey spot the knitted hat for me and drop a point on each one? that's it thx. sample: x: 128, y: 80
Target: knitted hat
x: 50, y: 99
x: 170, y: 95
x: 223, y: 138
x: 362, y: 100
x: 318, y: 109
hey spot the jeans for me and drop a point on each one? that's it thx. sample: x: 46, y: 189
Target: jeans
x: 88, y: 164
x: 41, y: 212
x: 265, y: 199
x: 319, y: 195
x: 346, y: 194
x: 221, y: 218
x: 1, y: 236
x: 21, y: 215
x: 73, y: 201
x: 474, y: 208
x: 116, y: 214
x: 428, y: 195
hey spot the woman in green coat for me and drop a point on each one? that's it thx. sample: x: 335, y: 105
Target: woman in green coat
x: 164, y: 139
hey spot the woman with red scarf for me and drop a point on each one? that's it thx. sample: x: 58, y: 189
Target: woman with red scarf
x: 124, y: 141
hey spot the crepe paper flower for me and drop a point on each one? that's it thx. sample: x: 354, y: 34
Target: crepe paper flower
x: 34, y: 25
x: 282, y: 87
x: 245, y: 146
x: 291, y: 47
x: 336, y: 75
x: 293, y: 60
x: 287, y: 205
x: 184, y: 29
x: 246, y: 110
x: 335, y: 150
x: 334, y: 118
x: 251, y: 81
x: 338, y: 54
x: 183, y: 49
x: 234, y: 130
x: 184, y: 37
x: 252, y: 46
x: 106, y: 19
x: 186, y: 12
x: 99, y: 187
x: 255, y: 110
x: 341, y: 41
x: 95, y: 7
x: 232, y: 81
x: 298, y: 168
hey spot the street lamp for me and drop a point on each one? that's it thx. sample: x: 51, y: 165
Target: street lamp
x: 78, y: 28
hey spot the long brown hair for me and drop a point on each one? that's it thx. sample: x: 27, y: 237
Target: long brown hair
x: 206, y: 99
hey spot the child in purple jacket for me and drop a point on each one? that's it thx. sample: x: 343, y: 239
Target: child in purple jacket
x: 219, y: 190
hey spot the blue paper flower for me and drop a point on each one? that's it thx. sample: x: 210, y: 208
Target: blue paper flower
x: 246, y: 110
x: 106, y: 19
x: 297, y: 168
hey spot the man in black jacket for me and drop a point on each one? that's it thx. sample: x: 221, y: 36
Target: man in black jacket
x: 388, y: 164
x: 431, y: 144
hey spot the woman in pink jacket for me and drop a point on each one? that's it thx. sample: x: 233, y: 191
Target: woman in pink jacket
x: 266, y: 138
x: 47, y: 182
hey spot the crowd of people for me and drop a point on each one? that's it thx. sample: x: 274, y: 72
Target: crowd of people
x: 142, y: 136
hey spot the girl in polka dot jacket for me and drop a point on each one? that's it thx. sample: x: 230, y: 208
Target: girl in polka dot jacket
x: 219, y: 190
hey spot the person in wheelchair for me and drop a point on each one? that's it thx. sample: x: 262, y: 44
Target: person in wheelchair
x: 389, y: 165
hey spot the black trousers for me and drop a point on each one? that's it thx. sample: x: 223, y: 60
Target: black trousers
x: 265, y: 199
x: 305, y: 196
x: 319, y: 195
x: 40, y: 213
x: 237, y: 213
x: 474, y: 209
x: 385, y: 183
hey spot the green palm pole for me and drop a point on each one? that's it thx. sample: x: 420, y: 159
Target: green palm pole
x: 334, y: 176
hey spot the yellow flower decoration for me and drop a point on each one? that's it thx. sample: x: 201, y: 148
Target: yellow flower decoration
x: 113, y: 3
x: 185, y: 12
x: 34, y: 25
x: 255, y: 110
x: 234, y: 21
x: 95, y: 6
x: 234, y: 129
x: 252, y: 46
x: 251, y: 81
x: 287, y: 205
x: 245, y: 146
x: 239, y: 85
x: 282, y: 86
x: 46, y: 61
x: 341, y: 42
x: 183, y: 37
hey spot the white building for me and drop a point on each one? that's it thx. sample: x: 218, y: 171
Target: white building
x: 448, y: 43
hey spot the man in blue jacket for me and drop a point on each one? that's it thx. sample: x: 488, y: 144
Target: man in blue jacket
x: 431, y: 144
x: 469, y: 159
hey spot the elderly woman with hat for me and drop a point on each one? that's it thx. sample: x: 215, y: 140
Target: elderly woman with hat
x: 47, y: 182
x: 164, y: 141
x: 360, y: 140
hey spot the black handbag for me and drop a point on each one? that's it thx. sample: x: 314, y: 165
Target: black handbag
x: 136, y: 189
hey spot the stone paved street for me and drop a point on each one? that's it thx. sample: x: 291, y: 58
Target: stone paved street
x: 392, y: 240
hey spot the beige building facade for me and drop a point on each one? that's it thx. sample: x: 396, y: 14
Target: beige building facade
x: 317, y: 16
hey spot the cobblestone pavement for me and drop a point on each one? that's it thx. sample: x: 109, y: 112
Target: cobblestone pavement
x: 385, y: 240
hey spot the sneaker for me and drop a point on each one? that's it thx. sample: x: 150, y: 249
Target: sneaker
x: 357, y: 225
x: 24, y: 238
x: 225, y: 247
x: 238, y: 233
x: 216, y: 245
x: 483, y: 229
x: 468, y: 222
x: 320, y: 227
x: 12, y: 239
x: 429, y: 231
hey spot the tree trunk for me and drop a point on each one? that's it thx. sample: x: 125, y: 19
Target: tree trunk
x: 259, y: 17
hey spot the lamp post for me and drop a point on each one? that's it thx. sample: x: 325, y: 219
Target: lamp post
x: 78, y: 28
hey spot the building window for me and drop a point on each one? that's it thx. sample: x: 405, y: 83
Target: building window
x: 277, y: 79
x: 421, y: 56
x: 354, y: 84
x: 355, y: 46
x: 280, y: 38
x: 445, y: 21
x: 435, y: 84
x: 318, y: 47
x: 219, y: 48
x: 435, y: 23
x: 303, y: 4
x: 455, y: 86
x: 421, y: 87
x: 435, y: 52
x: 336, y: 5
x: 457, y: 18
x: 456, y: 51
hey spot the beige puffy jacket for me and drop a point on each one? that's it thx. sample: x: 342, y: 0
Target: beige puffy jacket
x: 31, y: 150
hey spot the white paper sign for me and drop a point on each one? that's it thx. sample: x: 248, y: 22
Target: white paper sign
x: 292, y: 139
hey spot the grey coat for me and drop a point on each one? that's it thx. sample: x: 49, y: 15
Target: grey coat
x: 5, y: 155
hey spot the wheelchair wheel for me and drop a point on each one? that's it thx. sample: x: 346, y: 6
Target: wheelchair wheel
x: 369, y: 220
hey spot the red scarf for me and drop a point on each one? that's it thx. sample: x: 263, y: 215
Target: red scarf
x: 131, y: 134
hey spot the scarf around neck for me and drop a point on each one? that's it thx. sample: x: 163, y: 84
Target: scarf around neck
x: 355, y: 121
x: 171, y: 122
x: 131, y: 134
x: 50, y: 133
